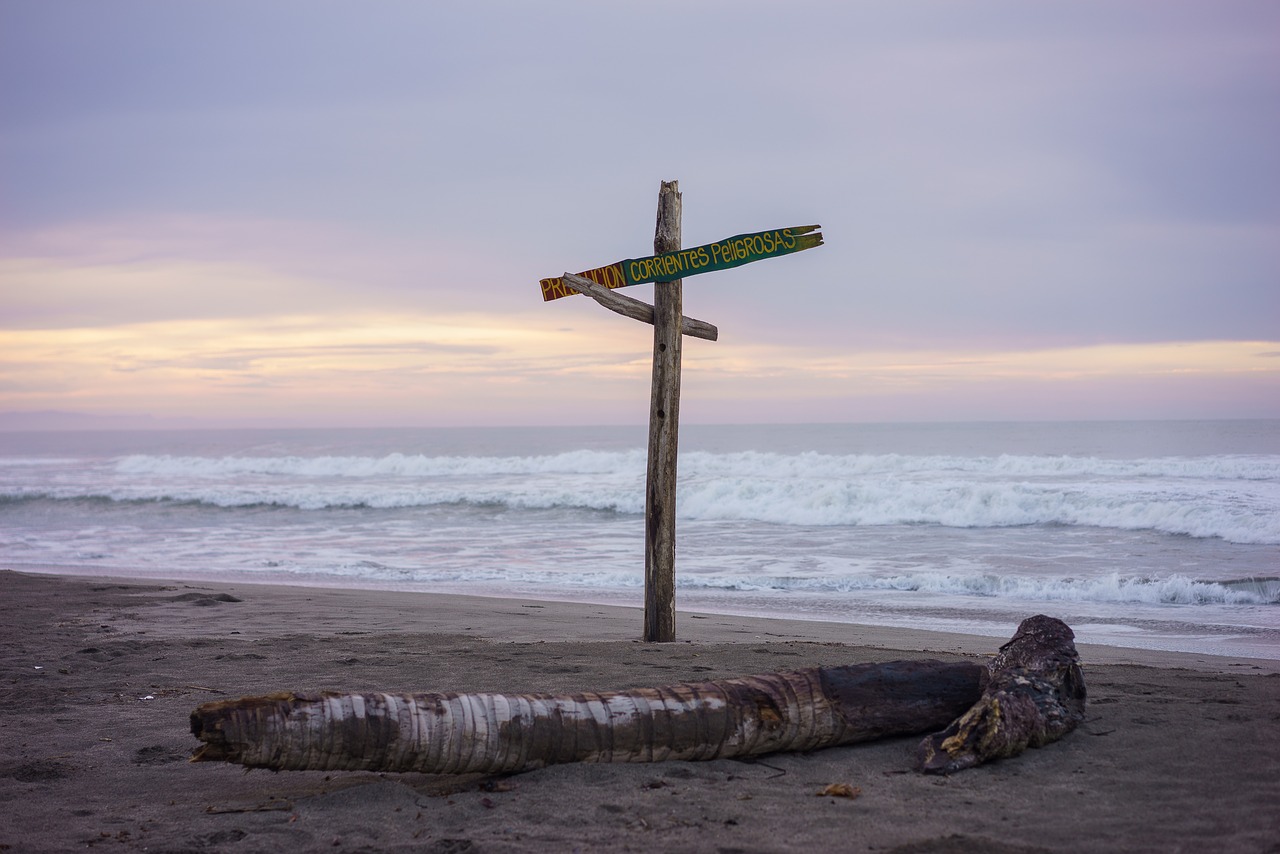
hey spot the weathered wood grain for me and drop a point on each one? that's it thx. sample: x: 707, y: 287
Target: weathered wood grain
x: 449, y: 733
x: 1036, y: 695
x: 634, y: 308
x: 664, y: 429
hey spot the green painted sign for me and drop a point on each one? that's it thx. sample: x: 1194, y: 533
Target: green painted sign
x: 721, y: 255
x: 730, y: 252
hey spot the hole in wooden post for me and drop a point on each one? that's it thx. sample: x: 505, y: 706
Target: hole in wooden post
x: 661, y: 414
x: 662, y: 348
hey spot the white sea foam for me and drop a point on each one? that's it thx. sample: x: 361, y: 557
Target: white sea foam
x: 390, y: 465
x: 746, y: 464
x: 1165, y: 530
x: 1114, y: 588
x: 1232, y: 497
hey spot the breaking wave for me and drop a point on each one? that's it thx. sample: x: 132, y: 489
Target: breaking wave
x: 1232, y: 497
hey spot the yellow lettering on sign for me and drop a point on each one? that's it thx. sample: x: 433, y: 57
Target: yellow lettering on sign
x: 554, y: 289
x: 609, y: 276
x: 730, y: 252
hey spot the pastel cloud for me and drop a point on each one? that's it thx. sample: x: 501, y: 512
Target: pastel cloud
x: 1063, y: 209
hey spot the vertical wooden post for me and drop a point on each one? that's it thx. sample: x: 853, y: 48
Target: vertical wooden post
x: 664, y: 428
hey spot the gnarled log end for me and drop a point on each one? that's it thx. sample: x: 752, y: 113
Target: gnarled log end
x: 1036, y: 695
x: 1041, y: 643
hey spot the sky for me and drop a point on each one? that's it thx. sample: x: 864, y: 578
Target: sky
x: 239, y: 213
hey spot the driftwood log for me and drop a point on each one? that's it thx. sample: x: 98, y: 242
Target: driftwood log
x: 1035, y: 695
x: 449, y: 733
x: 497, y: 733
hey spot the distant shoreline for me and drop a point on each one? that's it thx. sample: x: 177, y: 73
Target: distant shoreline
x: 624, y: 622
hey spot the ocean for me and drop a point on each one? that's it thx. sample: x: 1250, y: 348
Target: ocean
x: 1159, y: 535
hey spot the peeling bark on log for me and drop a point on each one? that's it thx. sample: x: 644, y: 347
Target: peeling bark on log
x: 1035, y: 696
x: 1032, y: 693
x: 495, y: 733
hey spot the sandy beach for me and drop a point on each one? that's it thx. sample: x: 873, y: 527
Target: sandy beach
x: 1178, y: 752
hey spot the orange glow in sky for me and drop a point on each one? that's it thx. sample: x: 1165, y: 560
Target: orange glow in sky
x: 1031, y: 211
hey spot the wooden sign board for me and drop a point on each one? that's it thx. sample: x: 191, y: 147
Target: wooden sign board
x: 668, y: 266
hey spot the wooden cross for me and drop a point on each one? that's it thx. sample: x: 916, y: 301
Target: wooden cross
x: 666, y: 268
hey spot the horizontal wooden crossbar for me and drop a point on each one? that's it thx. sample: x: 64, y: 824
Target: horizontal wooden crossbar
x: 636, y: 309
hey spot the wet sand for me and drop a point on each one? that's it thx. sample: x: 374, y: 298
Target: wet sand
x: 1178, y: 753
